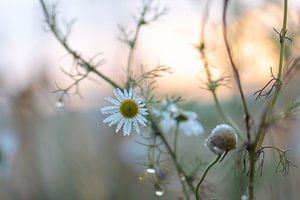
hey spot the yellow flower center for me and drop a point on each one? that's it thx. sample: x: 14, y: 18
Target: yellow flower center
x: 129, y: 109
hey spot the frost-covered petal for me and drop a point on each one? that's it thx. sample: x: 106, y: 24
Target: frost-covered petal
x: 109, y: 109
x: 119, y: 94
x: 223, y: 138
x: 111, y: 117
x: 119, y: 125
x: 112, y: 100
x: 139, y: 102
x: 143, y: 111
x: 130, y: 93
x: 142, y: 120
x: 136, y: 126
x: 126, y: 94
x: 127, y: 127
x: 117, y: 118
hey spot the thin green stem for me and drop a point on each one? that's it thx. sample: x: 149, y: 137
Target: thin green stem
x: 132, y: 50
x: 205, y: 173
x: 181, y: 179
x: 176, y: 138
x: 252, y: 160
x: 268, y: 112
x: 262, y: 132
x: 282, y: 39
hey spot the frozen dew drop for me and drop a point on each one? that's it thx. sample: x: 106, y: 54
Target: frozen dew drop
x: 244, y: 197
x: 159, y: 191
x: 150, y: 170
x: 59, y: 104
x: 182, y: 178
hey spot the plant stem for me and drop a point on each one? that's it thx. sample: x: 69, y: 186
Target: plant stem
x: 178, y: 167
x: 252, y: 160
x: 132, y: 49
x: 50, y: 20
x: 236, y: 72
x: 175, y: 138
x: 205, y: 173
x: 203, y: 57
x: 262, y: 132
x: 268, y: 112
x: 282, y: 39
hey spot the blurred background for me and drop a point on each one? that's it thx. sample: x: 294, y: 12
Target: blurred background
x: 66, y: 152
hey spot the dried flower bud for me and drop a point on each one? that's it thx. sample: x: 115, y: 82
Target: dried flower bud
x: 222, y: 139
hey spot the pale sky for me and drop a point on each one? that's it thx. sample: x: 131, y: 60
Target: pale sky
x: 26, y: 48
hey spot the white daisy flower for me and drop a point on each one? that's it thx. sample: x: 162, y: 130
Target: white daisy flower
x: 188, y: 123
x: 126, y: 110
x: 222, y: 139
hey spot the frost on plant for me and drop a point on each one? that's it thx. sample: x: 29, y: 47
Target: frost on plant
x: 126, y: 110
x: 165, y: 119
x: 222, y: 139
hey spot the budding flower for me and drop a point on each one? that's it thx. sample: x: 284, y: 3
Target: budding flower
x: 222, y: 139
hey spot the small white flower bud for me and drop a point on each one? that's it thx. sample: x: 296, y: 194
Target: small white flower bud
x: 222, y: 139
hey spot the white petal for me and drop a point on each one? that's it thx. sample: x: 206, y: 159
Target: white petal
x: 127, y: 127
x: 172, y: 108
x: 111, y: 117
x: 109, y: 109
x: 143, y: 111
x: 136, y: 126
x: 116, y: 120
x: 126, y: 94
x: 191, y: 127
x: 139, y: 101
x: 112, y: 100
x: 167, y: 125
x: 142, y: 120
x: 190, y: 115
x: 119, y: 94
x: 155, y: 112
x: 119, y: 125
x: 130, y: 93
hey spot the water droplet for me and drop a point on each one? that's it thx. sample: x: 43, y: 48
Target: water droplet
x: 182, y: 178
x: 159, y: 191
x: 150, y: 170
x: 244, y: 197
x: 59, y: 104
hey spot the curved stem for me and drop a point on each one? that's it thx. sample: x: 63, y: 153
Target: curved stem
x: 205, y: 173
x: 236, y: 72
